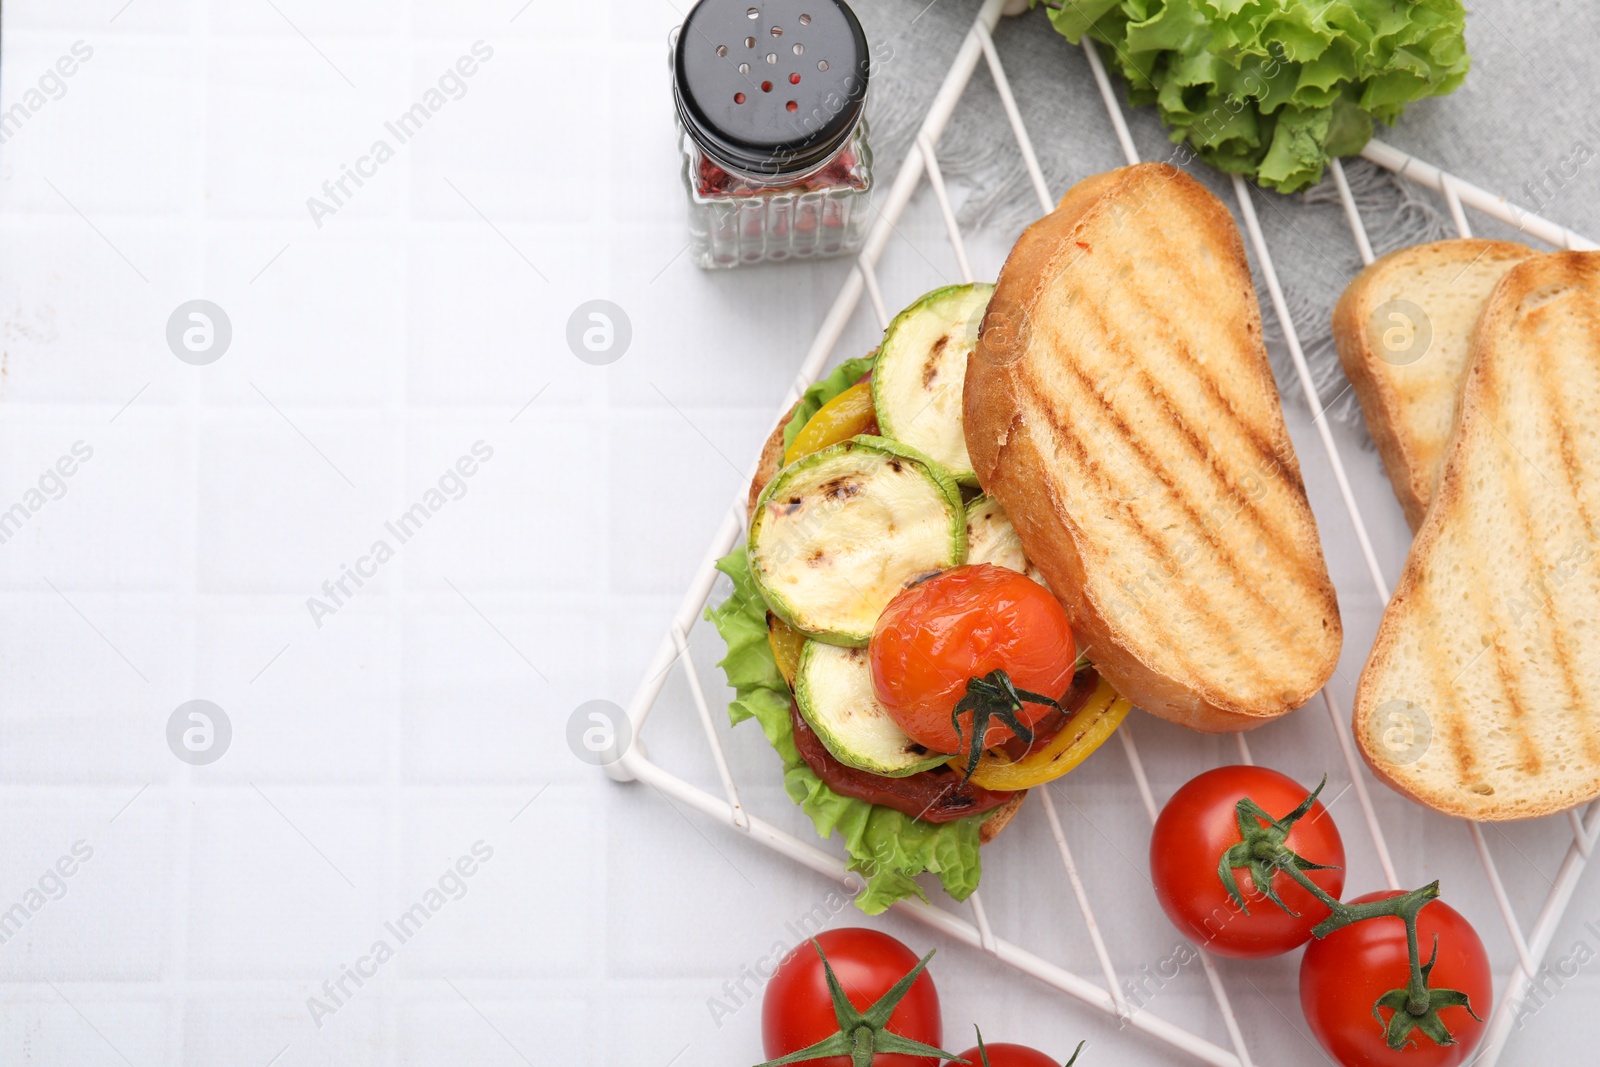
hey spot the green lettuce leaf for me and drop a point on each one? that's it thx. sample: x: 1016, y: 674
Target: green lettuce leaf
x: 887, y: 848
x: 1273, y: 89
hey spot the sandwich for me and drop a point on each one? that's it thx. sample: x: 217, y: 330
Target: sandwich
x: 1120, y: 408
x: 863, y: 492
x: 1481, y: 696
x: 1403, y: 328
x: 1036, y: 504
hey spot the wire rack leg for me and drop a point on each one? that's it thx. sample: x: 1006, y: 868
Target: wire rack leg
x: 1514, y: 996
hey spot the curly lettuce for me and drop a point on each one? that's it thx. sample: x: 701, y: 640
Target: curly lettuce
x: 1273, y: 89
x: 887, y: 848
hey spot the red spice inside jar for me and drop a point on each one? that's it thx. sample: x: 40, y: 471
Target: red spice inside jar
x: 712, y: 180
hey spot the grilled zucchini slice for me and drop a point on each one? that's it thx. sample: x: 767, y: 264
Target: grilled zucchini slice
x: 836, y: 534
x: 834, y: 691
x: 921, y: 370
x: 992, y: 539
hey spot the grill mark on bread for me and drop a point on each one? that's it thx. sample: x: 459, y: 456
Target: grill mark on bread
x: 1451, y: 722
x: 1569, y: 457
x: 1260, y: 439
x: 1505, y: 670
x: 1552, y: 397
x: 1159, y: 547
x: 1285, y: 549
x: 1162, y: 633
x: 1271, y: 450
x: 1273, y: 453
x: 1505, y: 663
x: 1266, y: 447
x: 1282, y: 541
x: 1569, y: 678
x: 1183, y: 421
x: 1179, y: 495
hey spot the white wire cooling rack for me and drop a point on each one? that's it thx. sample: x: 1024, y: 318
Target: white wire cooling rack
x: 1530, y: 945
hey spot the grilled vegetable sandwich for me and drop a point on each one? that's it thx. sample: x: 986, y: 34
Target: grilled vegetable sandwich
x: 878, y: 590
x: 1034, y: 505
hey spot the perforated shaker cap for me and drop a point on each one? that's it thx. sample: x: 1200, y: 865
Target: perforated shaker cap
x: 770, y: 87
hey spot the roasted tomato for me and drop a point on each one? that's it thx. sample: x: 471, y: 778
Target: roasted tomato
x: 1093, y: 712
x: 978, y: 641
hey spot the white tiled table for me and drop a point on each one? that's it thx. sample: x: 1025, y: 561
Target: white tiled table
x: 428, y: 713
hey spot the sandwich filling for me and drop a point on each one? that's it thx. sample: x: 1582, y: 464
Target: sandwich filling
x: 841, y: 539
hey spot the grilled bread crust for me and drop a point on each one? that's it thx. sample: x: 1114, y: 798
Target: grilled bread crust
x: 770, y: 463
x: 1120, y: 406
x: 1481, y: 697
x: 1000, y: 818
x: 1408, y: 393
x: 767, y: 466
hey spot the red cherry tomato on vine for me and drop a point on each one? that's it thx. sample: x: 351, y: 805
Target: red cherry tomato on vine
x: 1342, y: 976
x: 963, y: 624
x: 1004, y: 1055
x: 1199, y: 823
x: 797, y: 1010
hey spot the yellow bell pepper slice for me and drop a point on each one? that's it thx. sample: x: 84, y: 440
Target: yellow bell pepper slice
x: 848, y: 414
x: 1086, y: 731
x: 786, y: 642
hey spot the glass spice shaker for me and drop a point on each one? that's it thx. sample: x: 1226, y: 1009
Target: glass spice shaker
x: 770, y: 96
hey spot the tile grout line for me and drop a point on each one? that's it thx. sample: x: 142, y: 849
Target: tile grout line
x: 600, y: 986
x: 175, y: 982
x: 396, y: 411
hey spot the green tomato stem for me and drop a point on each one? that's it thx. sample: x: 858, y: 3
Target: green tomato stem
x: 994, y: 696
x: 1263, y: 851
x: 863, y: 1035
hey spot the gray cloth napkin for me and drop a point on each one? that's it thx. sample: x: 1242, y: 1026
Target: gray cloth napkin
x: 1524, y: 126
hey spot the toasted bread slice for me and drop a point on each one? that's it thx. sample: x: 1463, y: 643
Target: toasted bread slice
x: 1402, y: 328
x: 1481, y: 697
x: 1120, y: 406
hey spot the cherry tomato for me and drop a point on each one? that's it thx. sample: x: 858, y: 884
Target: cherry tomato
x: 797, y: 1010
x: 962, y: 624
x: 1199, y: 824
x: 1004, y: 1055
x: 1342, y: 975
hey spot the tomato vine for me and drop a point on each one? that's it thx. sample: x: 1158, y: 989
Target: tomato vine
x: 1261, y: 850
